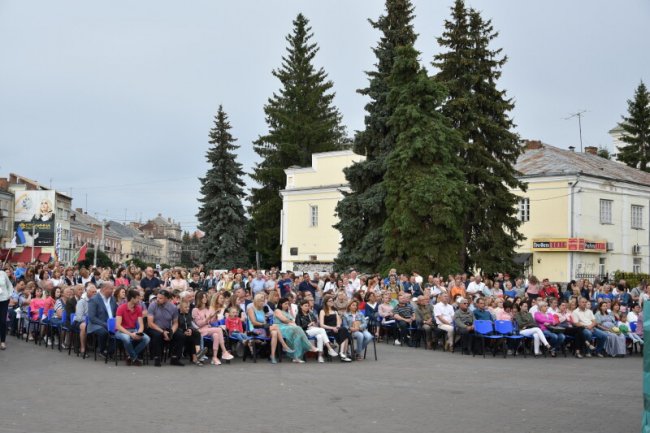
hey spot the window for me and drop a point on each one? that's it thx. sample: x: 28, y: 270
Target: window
x: 605, y: 211
x: 636, y: 266
x: 523, y: 213
x: 637, y: 216
x: 601, y: 266
x: 313, y: 216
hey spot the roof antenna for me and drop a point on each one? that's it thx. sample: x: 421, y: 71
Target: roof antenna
x: 579, y: 115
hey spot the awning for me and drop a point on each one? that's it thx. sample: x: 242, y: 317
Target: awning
x: 44, y: 257
x: 25, y: 255
x: 522, y: 258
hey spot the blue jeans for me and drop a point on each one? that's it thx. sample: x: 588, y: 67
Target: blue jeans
x: 128, y: 343
x: 555, y: 340
x: 600, y: 336
x: 361, y: 339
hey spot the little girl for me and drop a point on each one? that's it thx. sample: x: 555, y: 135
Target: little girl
x: 625, y: 328
x: 233, y: 322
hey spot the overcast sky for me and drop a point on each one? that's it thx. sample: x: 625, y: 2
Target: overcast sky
x: 112, y: 101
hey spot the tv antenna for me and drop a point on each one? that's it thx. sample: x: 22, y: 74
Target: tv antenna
x: 579, y: 115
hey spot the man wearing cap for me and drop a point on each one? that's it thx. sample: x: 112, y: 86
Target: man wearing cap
x: 464, y: 321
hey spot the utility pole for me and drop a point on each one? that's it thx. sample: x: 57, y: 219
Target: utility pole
x: 33, y: 241
x: 579, y: 115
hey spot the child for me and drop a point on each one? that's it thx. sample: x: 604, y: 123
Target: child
x: 233, y: 322
x: 235, y: 327
x: 624, y: 327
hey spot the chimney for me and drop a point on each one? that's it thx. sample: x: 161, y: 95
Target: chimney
x: 533, y: 144
x: 593, y: 150
x: 572, y: 148
x: 4, y: 184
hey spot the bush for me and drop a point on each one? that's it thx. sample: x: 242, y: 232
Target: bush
x: 632, y: 279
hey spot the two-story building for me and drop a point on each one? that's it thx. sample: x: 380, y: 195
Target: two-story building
x: 582, y: 215
x: 308, y: 238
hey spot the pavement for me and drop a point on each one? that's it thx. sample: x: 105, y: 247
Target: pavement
x: 407, y: 390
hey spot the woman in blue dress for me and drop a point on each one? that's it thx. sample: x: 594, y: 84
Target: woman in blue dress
x: 293, y: 334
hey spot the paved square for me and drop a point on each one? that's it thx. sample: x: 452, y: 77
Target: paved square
x: 408, y: 390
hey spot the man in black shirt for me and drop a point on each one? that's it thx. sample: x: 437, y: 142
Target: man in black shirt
x: 150, y: 283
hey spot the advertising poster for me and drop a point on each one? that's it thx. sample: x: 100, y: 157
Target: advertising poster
x: 35, y: 215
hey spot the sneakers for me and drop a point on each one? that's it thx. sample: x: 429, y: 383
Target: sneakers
x: 137, y: 363
x: 321, y: 359
x: 227, y: 356
x: 600, y: 355
x: 397, y: 343
x: 587, y: 355
x: 344, y: 358
x: 297, y: 361
x: 215, y: 361
x: 331, y: 352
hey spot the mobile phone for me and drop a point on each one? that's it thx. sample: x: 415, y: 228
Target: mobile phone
x: 139, y: 333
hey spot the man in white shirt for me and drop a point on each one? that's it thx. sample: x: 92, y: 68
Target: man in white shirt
x: 584, y: 318
x: 475, y: 286
x: 355, y: 282
x: 444, y: 314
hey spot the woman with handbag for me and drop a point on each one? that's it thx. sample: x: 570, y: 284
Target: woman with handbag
x: 547, y: 323
x: 528, y: 327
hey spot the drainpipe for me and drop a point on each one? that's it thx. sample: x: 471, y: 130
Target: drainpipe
x: 572, y: 226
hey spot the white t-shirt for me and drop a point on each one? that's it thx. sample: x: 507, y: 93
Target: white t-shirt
x: 585, y: 317
x: 356, y: 285
x: 446, y: 311
x: 474, y: 288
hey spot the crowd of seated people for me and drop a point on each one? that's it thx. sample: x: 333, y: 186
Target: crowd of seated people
x: 184, y: 316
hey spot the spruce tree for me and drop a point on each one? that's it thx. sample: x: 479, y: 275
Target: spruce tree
x: 302, y: 120
x: 480, y: 111
x: 425, y: 189
x: 636, y: 131
x: 362, y: 211
x: 221, y: 215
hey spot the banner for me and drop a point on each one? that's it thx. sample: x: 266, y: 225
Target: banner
x: 570, y: 244
x: 35, y: 215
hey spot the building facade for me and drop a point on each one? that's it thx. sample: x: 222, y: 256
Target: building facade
x: 136, y: 245
x: 168, y: 234
x: 308, y: 239
x: 6, y: 215
x: 583, y: 216
x: 87, y: 229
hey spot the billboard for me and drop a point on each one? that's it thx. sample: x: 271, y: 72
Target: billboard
x: 35, y: 215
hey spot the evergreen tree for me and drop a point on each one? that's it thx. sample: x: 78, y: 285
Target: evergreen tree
x: 425, y: 189
x: 470, y: 70
x: 362, y: 211
x: 636, y: 131
x: 221, y: 215
x: 603, y: 152
x: 302, y: 120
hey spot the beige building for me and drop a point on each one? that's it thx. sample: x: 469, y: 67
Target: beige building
x: 168, y: 234
x: 309, y: 240
x: 136, y: 245
x: 583, y: 216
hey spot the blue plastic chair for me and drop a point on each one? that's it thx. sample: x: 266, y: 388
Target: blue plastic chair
x: 510, y: 293
x: 507, y: 330
x: 484, y: 329
x: 111, y: 326
x: 633, y: 327
x: 34, y: 323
